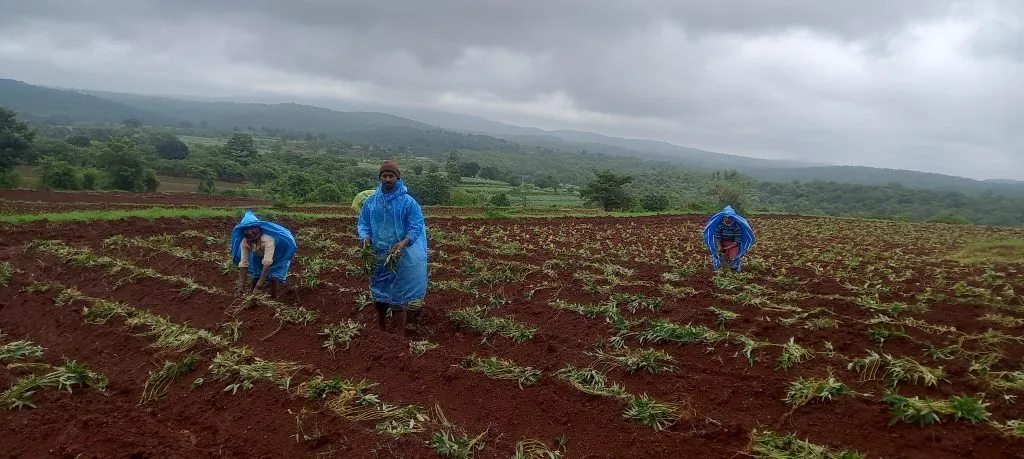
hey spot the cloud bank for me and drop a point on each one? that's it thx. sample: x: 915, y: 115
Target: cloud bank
x: 927, y: 85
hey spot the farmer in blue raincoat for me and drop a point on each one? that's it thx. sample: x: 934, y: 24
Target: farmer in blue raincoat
x: 729, y: 234
x: 391, y: 222
x: 262, y: 249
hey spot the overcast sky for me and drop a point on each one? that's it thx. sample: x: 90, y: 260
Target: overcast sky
x: 929, y: 85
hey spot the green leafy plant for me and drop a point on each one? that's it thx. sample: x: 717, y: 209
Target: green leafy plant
x: 502, y: 369
x: 769, y: 445
x: 340, y: 335
x: 159, y: 381
x: 802, y: 391
x: 647, y: 411
x: 64, y: 377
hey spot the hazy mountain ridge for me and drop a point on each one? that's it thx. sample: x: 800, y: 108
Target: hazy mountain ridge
x: 440, y: 130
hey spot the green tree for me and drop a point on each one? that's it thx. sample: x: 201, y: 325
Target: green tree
x: 132, y: 122
x: 122, y: 161
x: 332, y: 193
x: 16, y: 138
x: 169, y: 146
x: 451, y: 165
x: 79, y: 140
x: 655, y: 202
x: 241, y: 148
x: 500, y: 200
x: 469, y: 169
x: 430, y: 189
x: 292, y: 187
x: 59, y: 175
x: 546, y: 181
x: 92, y: 178
x: 730, y: 194
x: 417, y: 169
x: 490, y: 173
x: 260, y: 174
x: 607, y: 190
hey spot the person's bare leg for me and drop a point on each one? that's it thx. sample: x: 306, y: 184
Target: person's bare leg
x: 400, y: 322
x: 382, y: 312
x: 273, y: 288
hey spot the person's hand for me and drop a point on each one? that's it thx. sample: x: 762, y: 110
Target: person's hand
x: 397, y: 248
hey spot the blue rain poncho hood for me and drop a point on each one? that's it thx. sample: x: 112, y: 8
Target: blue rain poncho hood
x: 284, y: 247
x: 709, y: 236
x: 385, y: 219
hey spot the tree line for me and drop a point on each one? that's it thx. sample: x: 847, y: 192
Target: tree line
x: 322, y: 169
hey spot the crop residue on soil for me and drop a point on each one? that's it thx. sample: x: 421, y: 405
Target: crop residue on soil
x: 682, y: 361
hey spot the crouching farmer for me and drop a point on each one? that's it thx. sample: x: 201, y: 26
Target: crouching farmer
x: 264, y: 251
x: 728, y: 234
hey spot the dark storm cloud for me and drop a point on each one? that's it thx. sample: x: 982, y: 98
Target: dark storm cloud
x: 920, y: 84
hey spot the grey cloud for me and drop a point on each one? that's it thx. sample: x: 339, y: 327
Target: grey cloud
x: 846, y: 81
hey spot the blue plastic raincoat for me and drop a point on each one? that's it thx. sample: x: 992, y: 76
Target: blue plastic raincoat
x: 712, y: 245
x: 284, y: 247
x: 386, y: 219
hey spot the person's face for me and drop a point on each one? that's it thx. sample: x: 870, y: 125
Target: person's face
x: 388, y: 181
x: 251, y: 234
x: 727, y: 220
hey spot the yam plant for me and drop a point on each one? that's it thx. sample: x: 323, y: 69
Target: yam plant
x: 915, y: 410
x: 64, y: 377
x: 649, y: 412
x: 475, y: 319
x: 6, y: 273
x: 770, y: 445
x: 1012, y: 428
x: 340, y: 335
x: 238, y: 363
x: 502, y: 369
x: 793, y: 354
x: 452, y: 441
x: 644, y: 359
x: 536, y: 449
x: 159, y: 381
x: 19, y: 350
x: 354, y: 403
x: 803, y: 391
x: 591, y: 381
x: 419, y: 348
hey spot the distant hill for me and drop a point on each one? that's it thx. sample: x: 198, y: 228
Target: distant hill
x: 287, y: 116
x: 65, y: 107
x: 436, y: 132
x: 877, y: 176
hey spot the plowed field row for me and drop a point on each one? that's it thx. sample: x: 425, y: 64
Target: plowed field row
x: 610, y: 337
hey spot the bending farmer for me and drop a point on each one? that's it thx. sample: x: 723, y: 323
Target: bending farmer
x: 262, y: 249
x: 728, y: 233
x: 391, y: 222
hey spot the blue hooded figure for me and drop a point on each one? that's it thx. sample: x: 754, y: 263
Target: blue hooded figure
x: 730, y: 233
x: 264, y: 250
x: 391, y: 222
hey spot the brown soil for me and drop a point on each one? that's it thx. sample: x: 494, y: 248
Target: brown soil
x: 728, y: 396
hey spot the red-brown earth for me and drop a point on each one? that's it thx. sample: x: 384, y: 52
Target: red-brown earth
x: 829, y: 266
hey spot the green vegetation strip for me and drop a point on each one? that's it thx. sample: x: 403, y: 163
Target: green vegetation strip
x: 153, y: 213
x: 1007, y: 250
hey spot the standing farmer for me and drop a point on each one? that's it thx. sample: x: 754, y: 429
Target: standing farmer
x: 391, y: 223
x: 729, y: 233
x: 264, y: 250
